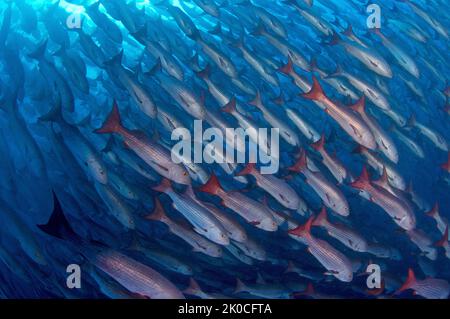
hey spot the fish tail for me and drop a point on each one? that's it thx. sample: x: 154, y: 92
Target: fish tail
x: 303, y: 230
x: 230, y: 107
x: 321, y: 218
x: 320, y: 144
x: 363, y: 180
x: 212, y: 186
x: 113, y: 123
x: 57, y: 225
x: 359, y: 149
x: 257, y: 101
x: 141, y: 33
x: 336, y: 73
x: 217, y: 30
x: 55, y: 114
x: 158, y: 213
x: 349, y: 31
x: 290, y: 268
x: 279, y: 100
x: 60, y: 52
x: 316, y: 93
x: 377, y: 291
x: 410, y: 281
x: 411, y: 121
x: 193, y: 288
x: 444, y: 240
x: 249, y: 169
x: 434, y: 211
x: 115, y: 60
x: 240, y: 287
x: 156, y: 68
x: 260, y: 29
x: 313, y: 65
x: 163, y: 186
x: 205, y: 73
x: 301, y: 163
x: 194, y: 60
x: 360, y: 105
x: 446, y: 166
x: 39, y: 52
x: 288, y: 68
x: 376, y: 31
x: 309, y: 291
x: 335, y: 40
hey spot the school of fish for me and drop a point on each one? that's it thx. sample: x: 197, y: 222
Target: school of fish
x: 91, y: 91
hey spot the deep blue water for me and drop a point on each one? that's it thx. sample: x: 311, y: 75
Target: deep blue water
x: 105, y: 187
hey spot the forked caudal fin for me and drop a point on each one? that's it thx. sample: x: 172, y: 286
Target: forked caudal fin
x: 444, y: 240
x: 363, y: 180
x: 55, y: 113
x: 205, y: 73
x: 164, y: 186
x: 39, y: 53
x: 322, y: 218
x: 434, y: 211
x: 360, y: 105
x: 377, y: 291
x: 290, y: 267
x: 303, y: 230
x: 217, y: 30
x: 313, y: 65
x: 279, y: 100
x: 409, y: 283
x: 309, y: 291
x: 230, y: 107
x: 156, y: 68
x: 349, y: 31
x: 158, y: 213
x: 338, y: 72
x: 57, y: 225
x: 301, y: 163
x: 113, y: 123
x: 320, y: 144
x: 360, y: 149
x: 384, y: 178
x: 193, y: 288
x: 240, y: 287
x: 212, y: 186
x: 316, y: 93
x: 446, y: 166
x: 335, y: 40
x: 260, y: 29
x: 248, y: 170
x: 257, y: 101
x: 411, y: 121
x: 288, y: 68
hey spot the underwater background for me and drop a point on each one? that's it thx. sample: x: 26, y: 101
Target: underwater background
x: 90, y: 93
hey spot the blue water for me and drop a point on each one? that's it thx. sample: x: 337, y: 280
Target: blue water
x: 39, y: 156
